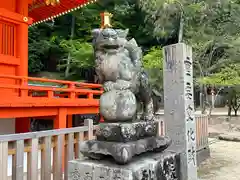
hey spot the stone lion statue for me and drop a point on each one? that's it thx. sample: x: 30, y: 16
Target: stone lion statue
x: 119, y: 68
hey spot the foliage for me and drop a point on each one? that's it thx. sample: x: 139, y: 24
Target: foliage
x: 153, y: 64
x: 228, y: 77
x: 216, y: 44
x: 37, y: 49
x: 153, y: 58
x: 81, y: 55
x: 43, y: 44
x: 210, y: 27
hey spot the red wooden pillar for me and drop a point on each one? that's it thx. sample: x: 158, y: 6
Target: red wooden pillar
x: 69, y: 121
x: 61, y: 119
x: 22, y: 125
x: 22, y: 38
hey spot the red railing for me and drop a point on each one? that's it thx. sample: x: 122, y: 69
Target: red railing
x: 60, y: 89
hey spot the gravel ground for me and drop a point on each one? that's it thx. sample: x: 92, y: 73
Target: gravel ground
x: 224, y: 163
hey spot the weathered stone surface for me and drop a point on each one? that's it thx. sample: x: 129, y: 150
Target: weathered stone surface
x: 179, y: 108
x: 125, y: 132
x: 118, y: 65
x: 118, y: 105
x: 123, y: 152
x: 152, y: 166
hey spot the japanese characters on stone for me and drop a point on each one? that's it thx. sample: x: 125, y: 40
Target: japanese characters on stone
x: 188, y: 89
x: 188, y: 76
x: 188, y: 67
x: 191, y: 134
x: 78, y: 175
x: 189, y: 105
x: 189, y: 112
x: 192, y: 155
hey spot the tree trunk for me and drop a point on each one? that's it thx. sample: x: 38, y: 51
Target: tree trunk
x: 229, y: 110
x: 229, y: 105
x: 205, y: 102
x: 69, y: 54
x: 202, y: 98
x: 181, y: 24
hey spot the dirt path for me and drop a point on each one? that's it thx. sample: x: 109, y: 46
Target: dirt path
x: 224, y: 163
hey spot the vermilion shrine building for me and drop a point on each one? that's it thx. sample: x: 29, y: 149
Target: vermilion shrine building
x: 18, y: 99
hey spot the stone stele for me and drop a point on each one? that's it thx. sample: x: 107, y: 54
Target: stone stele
x: 150, y: 166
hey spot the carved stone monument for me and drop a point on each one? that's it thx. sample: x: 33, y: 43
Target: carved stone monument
x: 179, y: 106
x: 124, y: 135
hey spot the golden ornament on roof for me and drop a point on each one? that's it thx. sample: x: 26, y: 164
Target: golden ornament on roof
x: 106, y: 20
x: 52, y: 2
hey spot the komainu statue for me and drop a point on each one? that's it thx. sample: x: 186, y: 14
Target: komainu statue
x: 119, y: 68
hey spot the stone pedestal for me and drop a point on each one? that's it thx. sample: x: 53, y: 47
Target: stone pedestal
x: 149, y: 166
x: 126, y: 132
x: 123, y: 152
x: 124, y: 140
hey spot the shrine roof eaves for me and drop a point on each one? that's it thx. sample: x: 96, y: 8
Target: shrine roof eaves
x: 40, y: 12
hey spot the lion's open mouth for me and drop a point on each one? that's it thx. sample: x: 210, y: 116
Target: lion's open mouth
x: 107, y: 46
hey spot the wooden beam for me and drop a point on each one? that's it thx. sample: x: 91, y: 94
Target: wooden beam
x: 9, y: 60
x: 12, y: 16
x: 19, y: 112
x: 47, y: 102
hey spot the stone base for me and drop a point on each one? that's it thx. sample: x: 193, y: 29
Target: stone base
x: 123, y: 152
x: 150, y: 166
x: 125, y: 132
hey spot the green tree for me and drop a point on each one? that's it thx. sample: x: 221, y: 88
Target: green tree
x: 228, y: 77
x: 210, y: 27
x: 80, y: 56
x: 153, y: 64
x: 37, y: 49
